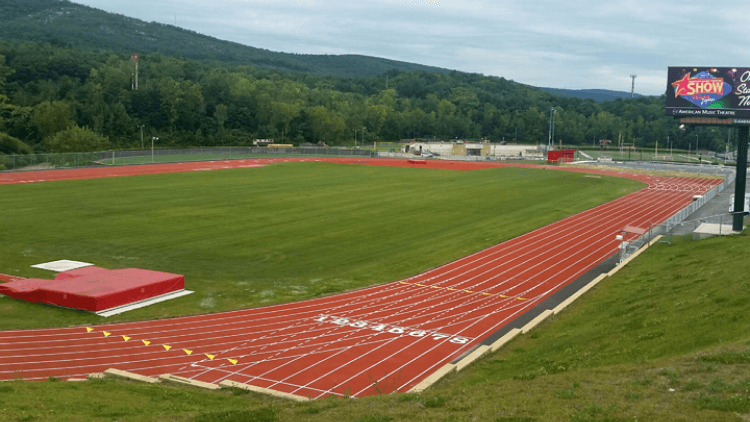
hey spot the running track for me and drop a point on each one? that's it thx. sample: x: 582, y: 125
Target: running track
x: 375, y: 340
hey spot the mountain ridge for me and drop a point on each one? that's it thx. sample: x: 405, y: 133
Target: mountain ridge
x: 62, y: 22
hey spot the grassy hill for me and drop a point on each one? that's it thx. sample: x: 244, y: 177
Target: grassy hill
x: 61, y: 22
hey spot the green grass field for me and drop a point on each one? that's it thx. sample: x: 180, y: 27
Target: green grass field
x: 258, y: 236
x: 665, y: 339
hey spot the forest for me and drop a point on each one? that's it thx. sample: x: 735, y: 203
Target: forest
x: 60, y: 98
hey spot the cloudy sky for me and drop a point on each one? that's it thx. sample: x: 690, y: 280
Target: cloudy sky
x: 578, y: 44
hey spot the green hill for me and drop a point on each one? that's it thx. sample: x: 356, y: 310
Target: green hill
x: 60, y: 22
x: 594, y: 94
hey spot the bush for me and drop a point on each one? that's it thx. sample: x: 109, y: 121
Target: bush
x: 11, y: 145
x: 76, y: 139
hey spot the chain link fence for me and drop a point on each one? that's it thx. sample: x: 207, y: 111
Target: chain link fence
x: 167, y: 155
x: 48, y: 161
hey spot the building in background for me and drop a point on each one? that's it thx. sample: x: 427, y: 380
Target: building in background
x: 459, y: 148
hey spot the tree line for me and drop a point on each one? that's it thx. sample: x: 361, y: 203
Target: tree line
x: 58, y: 98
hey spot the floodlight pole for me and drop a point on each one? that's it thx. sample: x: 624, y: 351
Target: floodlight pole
x: 739, y: 183
x: 551, y: 128
x: 152, y: 147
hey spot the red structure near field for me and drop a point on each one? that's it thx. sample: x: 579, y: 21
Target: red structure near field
x: 561, y: 156
x: 95, y: 289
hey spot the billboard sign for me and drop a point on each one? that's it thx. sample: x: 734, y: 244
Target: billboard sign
x: 722, y: 92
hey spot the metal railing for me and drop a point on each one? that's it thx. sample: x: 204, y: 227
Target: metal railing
x: 666, y: 227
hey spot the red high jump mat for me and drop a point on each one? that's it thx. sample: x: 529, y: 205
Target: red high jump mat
x: 95, y: 289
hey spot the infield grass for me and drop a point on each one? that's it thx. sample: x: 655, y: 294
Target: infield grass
x: 290, y: 231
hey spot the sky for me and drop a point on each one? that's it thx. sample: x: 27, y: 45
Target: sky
x: 582, y: 44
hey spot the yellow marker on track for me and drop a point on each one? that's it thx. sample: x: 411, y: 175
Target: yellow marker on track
x: 233, y: 361
x: 166, y: 347
x: 106, y: 334
x: 146, y: 342
x: 189, y: 352
x: 89, y: 329
x: 126, y: 338
x: 210, y: 357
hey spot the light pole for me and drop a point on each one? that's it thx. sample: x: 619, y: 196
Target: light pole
x: 141, y: 126
x: 551, y: 128
x: 670, y: 147
x: 154, y: 138
x: 696, y: 147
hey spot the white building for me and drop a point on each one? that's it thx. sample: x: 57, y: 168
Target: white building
x: 462, y: 149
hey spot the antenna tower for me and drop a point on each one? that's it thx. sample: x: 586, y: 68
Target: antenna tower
x: 632, y: 87
x: 135, y: 57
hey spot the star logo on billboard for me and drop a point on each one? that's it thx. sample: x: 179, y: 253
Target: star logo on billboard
x: 702, y: 89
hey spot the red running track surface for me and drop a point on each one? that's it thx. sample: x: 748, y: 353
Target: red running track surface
x: 376, y: 340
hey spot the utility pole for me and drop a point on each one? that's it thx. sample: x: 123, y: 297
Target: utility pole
x: 632, y: 87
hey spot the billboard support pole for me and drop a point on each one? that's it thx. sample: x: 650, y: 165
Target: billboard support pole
x: 739, y: 185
